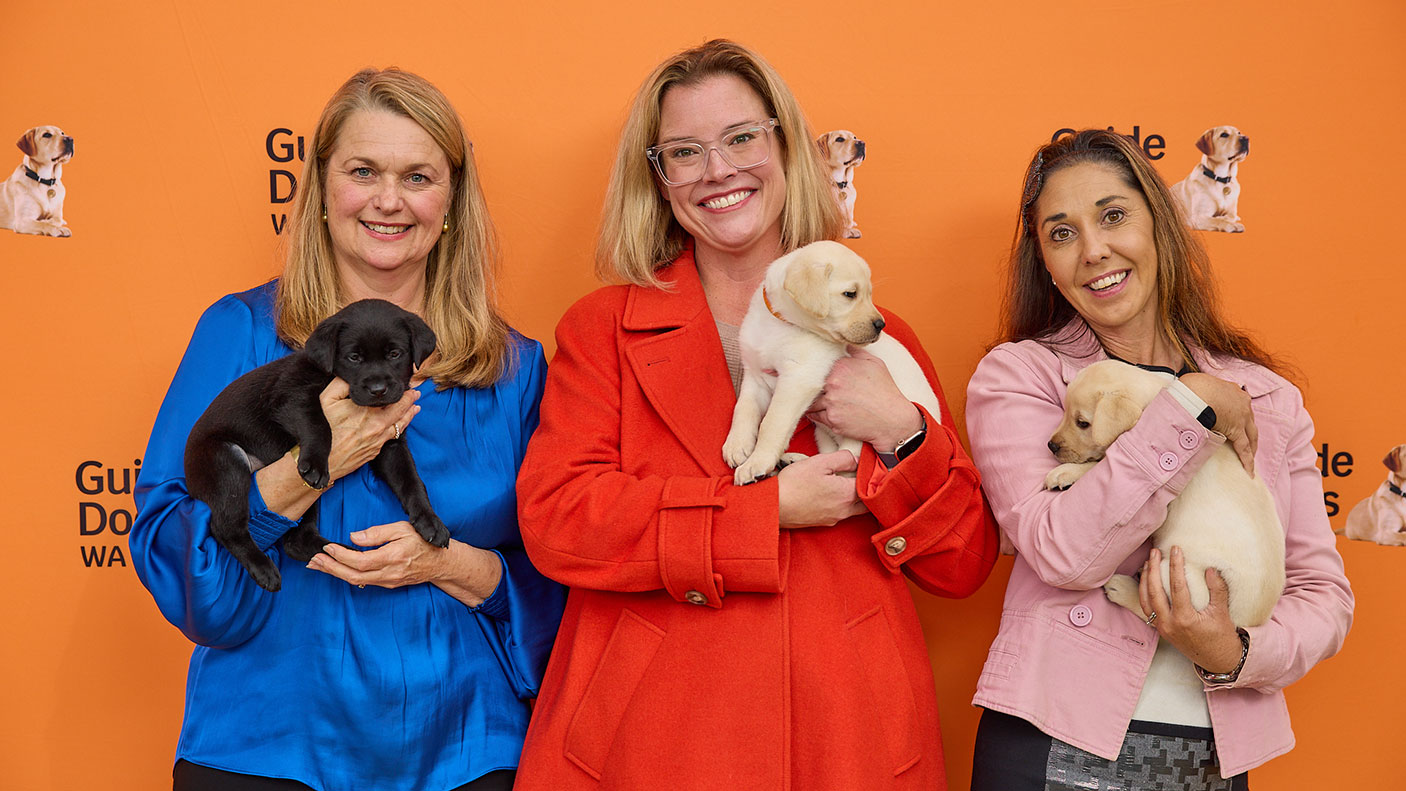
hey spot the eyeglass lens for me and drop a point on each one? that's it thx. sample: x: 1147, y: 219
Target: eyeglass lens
x: 741, y: 148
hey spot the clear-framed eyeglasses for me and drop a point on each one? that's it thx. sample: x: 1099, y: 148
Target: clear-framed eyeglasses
x: 743, y: 146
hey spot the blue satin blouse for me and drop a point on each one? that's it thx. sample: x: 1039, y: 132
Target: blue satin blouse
x: 325, y: 683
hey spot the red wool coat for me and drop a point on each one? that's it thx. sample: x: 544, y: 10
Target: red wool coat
x: 703, y: 647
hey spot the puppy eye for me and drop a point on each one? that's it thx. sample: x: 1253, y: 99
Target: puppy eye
x: 393, y: 354
x: 48, y: 134
x: 353, y: 357
x: 1082, y: 423
x: 851, y: 294
x: 1225, y: 134
x: 839, y: 140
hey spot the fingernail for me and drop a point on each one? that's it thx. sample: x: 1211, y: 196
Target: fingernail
x: 416, y: 395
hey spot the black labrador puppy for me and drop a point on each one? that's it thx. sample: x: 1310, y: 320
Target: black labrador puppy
x: 375, y: 347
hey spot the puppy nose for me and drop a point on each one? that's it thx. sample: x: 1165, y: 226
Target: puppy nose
x: 1053, y: 446
x: 878, y: 324
x: 377, y: 389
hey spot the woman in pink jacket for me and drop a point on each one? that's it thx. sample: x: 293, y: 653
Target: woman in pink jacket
x: 1079, y: 692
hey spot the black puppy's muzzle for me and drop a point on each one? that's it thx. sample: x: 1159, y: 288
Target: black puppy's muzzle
x: 377, y: 392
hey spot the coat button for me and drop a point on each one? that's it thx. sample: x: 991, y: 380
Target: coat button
x: 1168, y: 461
x: 1079, y: 615
x: 896, y: 545
x: 694, y: 597
x: 1189, y: 439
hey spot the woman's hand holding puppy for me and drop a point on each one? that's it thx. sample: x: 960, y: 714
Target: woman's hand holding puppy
x: 401, y: 557
x: 860, y: 400
x: 1234, y: 419
x: 1207, y: 636
x: 812, y: 493
x: 358, y: 432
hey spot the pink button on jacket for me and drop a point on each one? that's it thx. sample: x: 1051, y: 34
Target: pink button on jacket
x: 1068, y: 660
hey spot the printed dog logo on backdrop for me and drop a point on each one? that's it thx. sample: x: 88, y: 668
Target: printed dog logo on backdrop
x: 31, y: 199
x: 842, y: 152
x: 1382, y: 516
x: 1210, y: 196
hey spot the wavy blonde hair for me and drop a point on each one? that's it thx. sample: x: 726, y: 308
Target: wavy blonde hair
x: 460, y: 290
x: 639, y: 235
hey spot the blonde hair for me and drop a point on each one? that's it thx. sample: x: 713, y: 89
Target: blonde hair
x: 1188, y: 303
x: 460, y: 292
x: 639, y: 234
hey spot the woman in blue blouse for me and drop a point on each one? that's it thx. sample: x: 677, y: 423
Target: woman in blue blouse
x: 399, y: 666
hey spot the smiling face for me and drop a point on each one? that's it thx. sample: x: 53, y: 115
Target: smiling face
x: 1096, y: 240
x: 387, y: 190
x: 728, y: 211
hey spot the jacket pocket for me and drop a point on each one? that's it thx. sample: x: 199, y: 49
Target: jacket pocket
x: 890, y: 686
x: 627, y: 656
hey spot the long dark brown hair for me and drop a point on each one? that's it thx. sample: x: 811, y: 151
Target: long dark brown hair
x: 1188, y: 304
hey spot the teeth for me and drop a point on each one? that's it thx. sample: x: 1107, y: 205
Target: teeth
x: 1107, y: 281
x: 728, y: 200
x: 388, y: 229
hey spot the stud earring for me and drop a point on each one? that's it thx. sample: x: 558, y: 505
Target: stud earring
x: 446, y: 223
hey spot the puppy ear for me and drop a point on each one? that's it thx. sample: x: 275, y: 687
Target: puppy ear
x: 1204, y: 144
x: 822, y: 141
x: 26, y: 142
x: 422, y: 338
x: 1393, y: 459
x: 321, y: 346
x: 1114, y: 413
x: 808, y: 284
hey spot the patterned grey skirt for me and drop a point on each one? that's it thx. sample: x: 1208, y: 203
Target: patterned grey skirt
x: 1013, y: 755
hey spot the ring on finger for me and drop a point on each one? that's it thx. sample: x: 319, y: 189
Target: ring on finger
x: 362, y: 585
x: 1151, y: 618
x: 396, y: 426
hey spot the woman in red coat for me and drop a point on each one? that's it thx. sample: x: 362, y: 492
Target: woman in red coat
x: 717, y: 636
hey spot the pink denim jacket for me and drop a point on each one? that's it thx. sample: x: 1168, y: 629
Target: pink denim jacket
x: 1066, y: 659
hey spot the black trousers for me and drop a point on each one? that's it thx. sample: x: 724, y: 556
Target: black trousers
x: 194, y: 777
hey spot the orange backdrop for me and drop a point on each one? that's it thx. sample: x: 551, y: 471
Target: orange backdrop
x: 169, y: 200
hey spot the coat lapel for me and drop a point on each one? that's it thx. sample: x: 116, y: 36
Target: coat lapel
x: 673, y: 348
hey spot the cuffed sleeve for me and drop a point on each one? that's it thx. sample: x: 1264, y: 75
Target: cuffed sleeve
x: 1075, y: 539
x: 589, y: 523
x: 934, y: 523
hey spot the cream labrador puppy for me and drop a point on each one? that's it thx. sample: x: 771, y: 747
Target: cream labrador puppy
x: 1382, y: 516
x: 811, y: 304
x: 31, y: 199
x: 1210, y: 196
x: 1223, y: 519
x: 843, y: 152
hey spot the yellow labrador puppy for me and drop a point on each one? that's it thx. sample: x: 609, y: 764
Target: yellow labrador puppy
x: 843, y: 152
x: 1223, y: 519
x: 1210, y: 196
x: 811, y: 304
x: 1382, y: 516
x: 31, y: 199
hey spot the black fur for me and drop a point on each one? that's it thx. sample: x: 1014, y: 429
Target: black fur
x: 375, y: 347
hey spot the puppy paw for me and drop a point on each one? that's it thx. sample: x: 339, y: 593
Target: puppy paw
x: 315, y: 474
x: 1064, y: 476
x: 788, y: 459
x: 432, y: 530
x: 1122, y: 591
x: 303, y: 545
x: 756, y: 467
x: 737, y: 448
x: 266, y: 576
